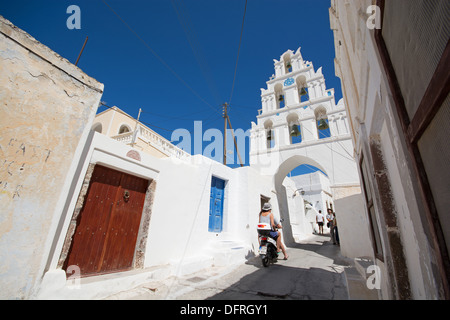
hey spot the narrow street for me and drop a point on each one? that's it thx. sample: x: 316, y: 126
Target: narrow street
x: 314, y: 271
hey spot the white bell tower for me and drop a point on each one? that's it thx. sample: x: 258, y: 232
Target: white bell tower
x: 300, y: 123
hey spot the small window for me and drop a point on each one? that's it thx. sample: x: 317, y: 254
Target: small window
x: 124, y: 129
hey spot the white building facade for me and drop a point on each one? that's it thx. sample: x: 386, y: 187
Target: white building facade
x: 300, y: 123
x: 392, y: 58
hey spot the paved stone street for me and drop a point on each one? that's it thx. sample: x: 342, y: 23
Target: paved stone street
x: 315, y: 270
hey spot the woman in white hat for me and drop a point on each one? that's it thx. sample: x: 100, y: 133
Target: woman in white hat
x: 266, y: 216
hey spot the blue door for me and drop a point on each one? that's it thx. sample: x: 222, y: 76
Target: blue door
x: 216, y: 205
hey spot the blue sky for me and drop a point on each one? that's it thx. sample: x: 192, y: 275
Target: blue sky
x: 198, y: 42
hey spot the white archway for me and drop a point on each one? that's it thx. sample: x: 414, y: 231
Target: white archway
x: 282, y: 195
x: 320, y: 146
x: 291, y: 163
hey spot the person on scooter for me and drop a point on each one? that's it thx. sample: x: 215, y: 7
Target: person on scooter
x: 266, y: 216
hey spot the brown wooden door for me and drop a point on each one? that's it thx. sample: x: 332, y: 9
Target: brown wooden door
x: 107, y: 228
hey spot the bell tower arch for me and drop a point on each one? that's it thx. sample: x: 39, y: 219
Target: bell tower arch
x: 308, y: 127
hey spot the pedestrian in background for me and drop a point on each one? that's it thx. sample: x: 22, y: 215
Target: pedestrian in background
x: 330, y: 224
x: 336, y: 232
x: 320, y: 220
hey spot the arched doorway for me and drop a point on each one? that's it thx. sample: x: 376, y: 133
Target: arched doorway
x: 288, y: 198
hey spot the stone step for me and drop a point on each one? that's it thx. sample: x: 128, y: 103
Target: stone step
x: 228, y: 252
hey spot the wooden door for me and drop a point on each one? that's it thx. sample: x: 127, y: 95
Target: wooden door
x: 107, y: 228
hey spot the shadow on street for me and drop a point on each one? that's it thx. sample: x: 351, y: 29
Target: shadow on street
x: 314, y: 270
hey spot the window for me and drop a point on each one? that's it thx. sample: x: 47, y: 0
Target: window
x: 124, y: 129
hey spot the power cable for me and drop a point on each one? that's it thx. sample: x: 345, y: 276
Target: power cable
x: 304, y: 127
x: 173, y: 117
x: 239, y: 50
x: 185, y: 22
x: 159, y: 58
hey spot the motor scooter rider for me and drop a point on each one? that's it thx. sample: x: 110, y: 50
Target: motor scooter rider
x: 266, y: 216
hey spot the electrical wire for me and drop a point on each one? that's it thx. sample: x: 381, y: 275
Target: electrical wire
x: 239, y: 50
x: 159, y: 58
x: 182, y: 117
x: 185, y: 22
x: 342, y: 155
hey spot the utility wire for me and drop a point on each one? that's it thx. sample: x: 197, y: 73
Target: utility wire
x: 324, y: 136
x: 168, y: 117
x: 226, y: 116
x: 239, y: 50
x: 185, y: 22
x: 159, y: 58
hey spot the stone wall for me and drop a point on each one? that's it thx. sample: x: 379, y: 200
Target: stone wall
x: 47, y: 108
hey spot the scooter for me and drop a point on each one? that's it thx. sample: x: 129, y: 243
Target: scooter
x: 268, y: 245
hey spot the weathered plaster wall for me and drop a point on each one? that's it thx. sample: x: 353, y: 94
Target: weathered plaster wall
x: 47, y: 108
x: 408, y: 266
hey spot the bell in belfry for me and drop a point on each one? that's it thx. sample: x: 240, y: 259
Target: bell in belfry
x: 295, y: 132
x: 269, y: 135
x: 303, y: 92
x: 323, y: 125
